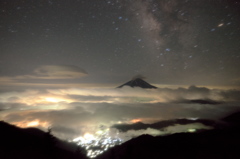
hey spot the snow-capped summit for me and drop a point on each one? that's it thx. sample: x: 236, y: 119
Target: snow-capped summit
x: 137, y: 82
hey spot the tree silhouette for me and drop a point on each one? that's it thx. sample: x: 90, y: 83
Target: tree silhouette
x: 80, y: 153
x: 50, y: 141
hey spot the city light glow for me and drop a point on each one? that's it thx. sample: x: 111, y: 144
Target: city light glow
x: 96, y: 144
x: 33, y: 123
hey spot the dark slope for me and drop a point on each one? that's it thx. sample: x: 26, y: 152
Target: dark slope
x: 233, y: 118
x: 138, y: 82
x: 17, y: 143
x: 212, y: 144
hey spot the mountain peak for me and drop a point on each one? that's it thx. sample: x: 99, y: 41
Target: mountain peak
x: 137, y: 82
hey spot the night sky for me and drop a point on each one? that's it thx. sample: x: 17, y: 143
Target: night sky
x: 61, y: 61
x: 167, y: 41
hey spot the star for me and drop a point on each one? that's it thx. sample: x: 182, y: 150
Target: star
x: 220, y: 25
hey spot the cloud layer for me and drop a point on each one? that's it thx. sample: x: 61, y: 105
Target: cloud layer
x: 77, y: 111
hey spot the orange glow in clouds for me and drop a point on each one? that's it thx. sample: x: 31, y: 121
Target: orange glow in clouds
x: 33, y: 100
x: 34, y: 123
x: 57, y: 99
x: 54, y: 100
x: 136, y: 120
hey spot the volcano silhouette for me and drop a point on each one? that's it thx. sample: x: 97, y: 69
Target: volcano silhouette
x: 137, y: 82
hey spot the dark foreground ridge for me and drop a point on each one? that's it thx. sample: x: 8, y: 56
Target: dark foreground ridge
x: 32, y: 143
x: 220, y: 143
x: 212, y: 144
x: 138, y: 82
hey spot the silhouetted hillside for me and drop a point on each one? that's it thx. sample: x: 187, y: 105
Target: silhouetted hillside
x: 219, y: 143
x: 32, y: 143
x: 212, y: 144
x: 138, y: 82
x: 233, y: 118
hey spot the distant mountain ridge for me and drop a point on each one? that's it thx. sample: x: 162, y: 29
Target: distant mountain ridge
x: 164, y: 124
x: 138, y: 82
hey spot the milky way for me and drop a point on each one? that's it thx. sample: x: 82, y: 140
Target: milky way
x: 170, y: 42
